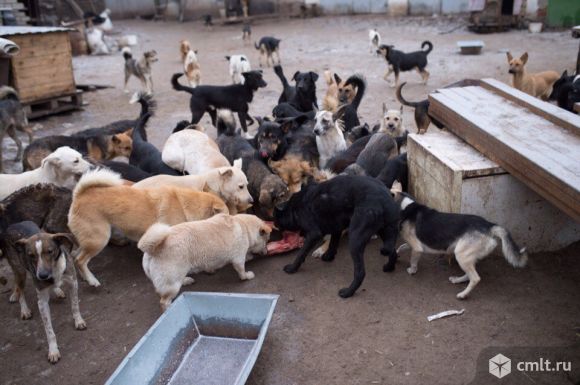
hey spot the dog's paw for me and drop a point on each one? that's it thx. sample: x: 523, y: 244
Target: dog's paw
x: 250, y: 275
x: 327, y: 257
x: 455, y: 280
x: 25, y: 314
x: 53, y: 356
x: 92, y: 281
x: 187, y: 281
x: 80, y: 324
x: 290, y: 269
x: 462, y: 295
x: 14, y: 297
x: 387, y: 268
x: 345, y: 292
x: 318, y: 253
x: 59, y: 293
x: 412, y: 270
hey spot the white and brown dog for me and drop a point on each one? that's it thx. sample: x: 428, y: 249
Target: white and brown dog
x: 171, y: 252
x: 44, y: 256
x: 191, y: 66
x: 329, y: 133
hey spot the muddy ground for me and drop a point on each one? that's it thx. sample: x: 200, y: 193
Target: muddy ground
x: 379, y: 336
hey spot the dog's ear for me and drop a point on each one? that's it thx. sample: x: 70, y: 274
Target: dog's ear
x: 313, y: 76
x: 396, y: 188
x: 376, y: 128
x: 115, y: 139
x: 218, y: 209
x: 50, y: 160
x: 509, y: 56
x: 524, y: 58
x: 339, y: 112
x: 295, y: 75
x: 227, y: 58
x: 205, y: 188
x: 238, y: 163
x: 564, y: 74
x: 385, y: 109
x: 129, y: 132
x: 226, y: 173
x: 337, y: 79
x: 265, y: 229
x: 259, y: 119
x: 65, y: 240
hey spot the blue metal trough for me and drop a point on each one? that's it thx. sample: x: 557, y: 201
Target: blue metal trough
x: 202, y: 339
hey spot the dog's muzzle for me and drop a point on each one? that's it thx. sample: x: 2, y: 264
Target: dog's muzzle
x: 512, y: 71
x: 43, y: 275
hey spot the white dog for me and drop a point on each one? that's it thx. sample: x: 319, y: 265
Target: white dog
x: 171, y: 252
x: 192, y: 151
x: 96, y: 41
x: 192, y: 69
x: 374, y: 40
x: 329, y: 134
x: 238, y: 65
x: 229, y: 183
x: 63, y: 167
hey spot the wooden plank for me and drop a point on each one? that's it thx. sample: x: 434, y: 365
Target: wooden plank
x: 558, y: 183
x: 33, y: 94
x: 553, y: 113
x: 42, y: 61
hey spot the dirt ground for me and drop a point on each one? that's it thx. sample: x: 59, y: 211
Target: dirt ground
x: 379, y: 336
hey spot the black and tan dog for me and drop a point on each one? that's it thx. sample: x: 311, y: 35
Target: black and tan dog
x: 269, y: 47
x: 47, y: 258
x: 235, y: 97
x: 320, y: 209
x: 303, y: 95
x: 398, y: 61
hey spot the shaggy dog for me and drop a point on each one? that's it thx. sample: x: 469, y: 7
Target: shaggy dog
x: 141, y: 68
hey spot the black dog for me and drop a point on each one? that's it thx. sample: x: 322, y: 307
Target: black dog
x: 398, y: 61
x: 303, y: 96
x: 235, y: 97
x: 566, y: 91
x: 350, y: 116
x: 276, y: 139
x: 338, y: 163
x: 268, y: 46
x: 360, y: 204
x: 396, y: 169
x: 287, y: 110
x: 127, y: 171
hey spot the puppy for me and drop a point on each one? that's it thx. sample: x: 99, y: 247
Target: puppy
x: 12, y: 119
x: 192, y: 69
x: 234, y: 97
x: 247, y: 33
x: 392, y: 122
x: 171, y: 252
x: 269, y: 47
x: 338, y: 92
x: 97, y: 148
x: 320, y: 209
x: 192, y: 151
x: 63, y: 167
x: 470, y: 237
x: 374, y: 40
x: 329, y: 136
x: 141, y: 68
x: 44, y: 256
x: 398, y: 61
x: 539, y: 84
x: 303, y: 96
x: 100, y: 201
x: 238, y: 65
x: 228, y: 183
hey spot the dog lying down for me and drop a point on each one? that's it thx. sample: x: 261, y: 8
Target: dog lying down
x: 171, y: 252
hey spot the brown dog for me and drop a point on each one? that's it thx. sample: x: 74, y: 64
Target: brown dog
x: 184, y: 48
x: 338, y: 92
x: 539, y: 84
x: 101, y: 201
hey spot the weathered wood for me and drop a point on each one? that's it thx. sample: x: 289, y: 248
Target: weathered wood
x: 523, y: 136
x: 55, y: 105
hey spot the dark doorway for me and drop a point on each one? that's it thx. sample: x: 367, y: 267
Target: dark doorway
x: 507, y: 7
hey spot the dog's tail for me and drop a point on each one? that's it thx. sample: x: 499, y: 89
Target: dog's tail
x: 512, y: 253
x: 429, y: 46
x: 8, y: 92
x: 361, y: 85
x: 127, y: 53
x: 280, y: 73
x: 97, y: 178
x: 139, y: 132
x: 402, y: 100
x: 328, y: 77
x: 226, y: 122
x: 153, y: 238
x: 180, y: 87
x: 148, y: 104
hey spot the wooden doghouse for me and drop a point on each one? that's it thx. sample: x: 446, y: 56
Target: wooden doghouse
x: 42, y: 72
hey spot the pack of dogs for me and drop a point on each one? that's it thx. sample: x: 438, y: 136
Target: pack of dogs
x: 309, y: 175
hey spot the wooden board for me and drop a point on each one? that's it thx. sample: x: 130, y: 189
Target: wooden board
x: 534, y: 141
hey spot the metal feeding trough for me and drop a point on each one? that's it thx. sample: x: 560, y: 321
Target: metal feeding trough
x: 470, y: 47
x: 202, y: 339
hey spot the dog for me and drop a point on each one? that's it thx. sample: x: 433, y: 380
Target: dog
x: 141, y: 68
x: 538, y: 85
x: 191, y: 68
x: 234, y: 97
x: 96, y: 40
x: 246, y: 33
x: 374, y: 40
x: 395, y: 170
x: 285, y: 110
x: 62, y: 167
x: 398, y: 61
x: 350, y: 116
x: 12, y: 119
x: 192, y: 151
x: 422, y: 117
x: 379, y: 149
x: 269, y: 47
x: 337, y: 93
x: 294, y: 171
x: 303, y: 96
x: 470, y: 237
x: 392, y: 121
x: 96, y: 148
x: 329, y: 135
x: 184, y: 48
x: 338, y: 163
x: 44, y: 256
x: 207, y: 21
x: 567, y: 91
x: 100, y: 201
x: 238, y: 65
x: 128, y: 172
x: 171, y: 252
x: 360, y: 132
x: 228, y: 183
x: 320, y: 209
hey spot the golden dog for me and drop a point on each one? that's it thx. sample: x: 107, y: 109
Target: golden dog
x: 539, y: 84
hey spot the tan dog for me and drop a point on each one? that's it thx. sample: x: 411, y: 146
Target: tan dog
x: 101, y: 201
x: 171, y: 252
x: 392, y: 122
x: 539, y: 84
x: 293, y: 171
x: 184, y: 48
x: 192, y: 69
x: 228, y: 183
x: 337, y: 93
